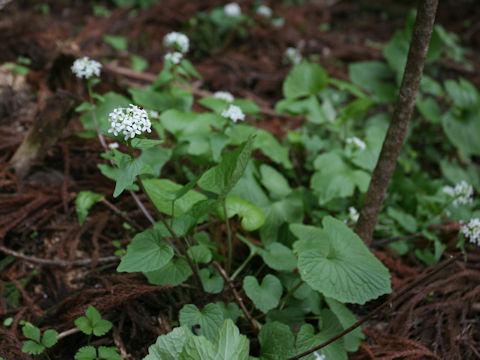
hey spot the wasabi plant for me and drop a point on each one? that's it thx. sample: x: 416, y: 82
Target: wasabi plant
x: 292, y: 56
x: 86, y: 68
x: 233, y: 113
x: 290, y: 209
x: 471, y: 231
x: 265, y: 11
x: 232, y: 9
x: 178, y: 41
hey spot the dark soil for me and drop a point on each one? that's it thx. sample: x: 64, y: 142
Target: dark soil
x: 69, y: 266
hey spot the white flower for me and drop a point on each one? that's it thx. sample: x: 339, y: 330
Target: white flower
x: 113, y: 145
x: 86, y: 68
x: 234, y: 113
x: 224, y: 95
x: 278, y: 22
x: 353, y: 214
x: 154, y: 114
x: 232, y: 9
x: 174, y: 57
x: 462, y: 193
x: 177, y: 40
x: 318, y: 356
x: 264, y: 11
x: 472, y: 231
x: 130, y: 121
x: 357, y: 143
x: 293, y: 56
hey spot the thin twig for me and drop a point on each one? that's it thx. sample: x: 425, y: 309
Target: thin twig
x: 385, y: 241
x: 121, y: 214
x: 56, y: 262
x: 392, y: 298
x: 237, y: 297
x: 67, y: 333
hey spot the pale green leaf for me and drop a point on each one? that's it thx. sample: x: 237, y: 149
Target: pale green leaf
x: 252, y: 217
x: 32, y: 348
x: 174, y: 273
x: 208, y: 320
x: 86, y: 353
x: 265, y: 296
x: 32, y: 332
x: 276, y: 341
x: 108, y: 353
x: 49, y: 338
x: 307, y: 339
x: 346, y: 318
x: 163, y: 193
x: 305, y: 79
x: 279, y: 257
x: 85, y: 200
x: 212, y: 282
x: 336, y: 262
x: 169, y: 346
x: 230, y: 344
x: 147, y: 252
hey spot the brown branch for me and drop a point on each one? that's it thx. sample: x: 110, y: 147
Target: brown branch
x: 237, y: 297
x: 399, y: 124
x: 56, y: 262
x: 118, y: 212
x: 392, y: 298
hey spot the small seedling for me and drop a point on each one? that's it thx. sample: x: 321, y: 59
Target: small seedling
x: 92, y: 323
x: 37, y: 343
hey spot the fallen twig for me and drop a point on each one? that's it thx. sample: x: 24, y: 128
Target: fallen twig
x: 56, y: 262
x: 237, y: 297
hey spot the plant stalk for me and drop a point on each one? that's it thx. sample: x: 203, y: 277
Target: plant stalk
x: 397, y: 130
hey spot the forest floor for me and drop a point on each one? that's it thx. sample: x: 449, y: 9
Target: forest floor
x: 52, y: 268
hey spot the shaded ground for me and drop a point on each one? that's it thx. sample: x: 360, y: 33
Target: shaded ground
x: 71, y: 266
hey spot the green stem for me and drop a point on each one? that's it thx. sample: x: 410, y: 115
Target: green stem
x: 290, y: 293
x: 229, y: 238
x: 241, y: 267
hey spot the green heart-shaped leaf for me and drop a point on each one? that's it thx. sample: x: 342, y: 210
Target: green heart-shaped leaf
x: 265, y: 296
x: 147, y: 252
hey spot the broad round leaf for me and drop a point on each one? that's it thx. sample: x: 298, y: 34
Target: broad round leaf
x: 305, y: 79
x: 174, y: 273
x: 147, y: 252
x: 336, y: 262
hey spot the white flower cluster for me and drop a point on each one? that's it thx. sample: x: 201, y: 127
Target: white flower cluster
x: 472, y: 231
x: 232, y: 9
x: 319, y: 356
x: 130, y: 121
x: 462, y: 193
x: 356, y: 142
x: 353, y: 214
x: 224, y: 95
x: 86, y: 68
x: 264, y: 11
x: 177, y: 40
x: 175, y: 57
x: 233, y: 113
x: 293, y: 56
